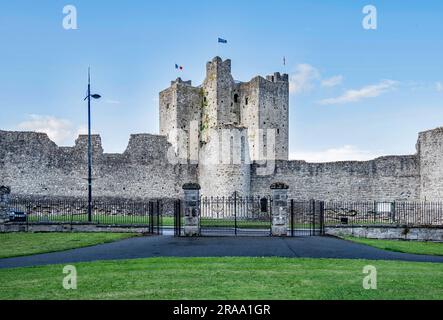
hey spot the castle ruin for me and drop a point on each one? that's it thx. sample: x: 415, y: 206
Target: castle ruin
x: 229, y: 137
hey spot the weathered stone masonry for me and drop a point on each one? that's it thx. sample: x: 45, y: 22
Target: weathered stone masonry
x: 383, y: 179
x: 32, y: 165
x: 35, y: 166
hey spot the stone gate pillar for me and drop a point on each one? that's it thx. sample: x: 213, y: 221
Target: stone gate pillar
x: 191, y: 209
x: 4, y: 200
x: 280, y: 209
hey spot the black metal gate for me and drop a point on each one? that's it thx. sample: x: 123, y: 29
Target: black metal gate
x: 156, y: 217
x: 178, y: 218
x: 235, y: 216
x: 251, y: 216
x: 306, y: 218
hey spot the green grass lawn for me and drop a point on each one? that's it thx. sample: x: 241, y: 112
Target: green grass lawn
x: 418, y: 247
x: 21, y: 244
x: 226, y: 278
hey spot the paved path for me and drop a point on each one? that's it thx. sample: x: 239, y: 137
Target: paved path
x: 166, y: 246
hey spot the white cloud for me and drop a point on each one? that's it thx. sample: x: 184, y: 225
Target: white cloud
x: 332, y: 82
x: 439, y: 86
x: 58, y: 130
x: 306, y: 77
x: 345, y: 153
x: 370, y: 91
x: 302, y: 80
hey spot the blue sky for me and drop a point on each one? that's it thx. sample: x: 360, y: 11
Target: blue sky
x: 356, y: 93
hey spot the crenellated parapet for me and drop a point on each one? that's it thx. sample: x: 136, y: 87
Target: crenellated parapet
x: 277, y: 77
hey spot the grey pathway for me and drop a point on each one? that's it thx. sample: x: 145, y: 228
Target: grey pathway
x: 167, y: 246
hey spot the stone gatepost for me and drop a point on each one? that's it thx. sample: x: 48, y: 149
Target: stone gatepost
x: 4, y: 200
x: 280, y: 209
x: 191, y: 209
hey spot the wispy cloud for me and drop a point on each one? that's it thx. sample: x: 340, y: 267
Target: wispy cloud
x: 345, y: 153
x: 112, y: 102
x: 61, y: 131
x: 370, y: 91
x: 58, y: 130
x: 306, y: 77
x: 439, y: 86
x: 332, y: 82
x: 303, y: 78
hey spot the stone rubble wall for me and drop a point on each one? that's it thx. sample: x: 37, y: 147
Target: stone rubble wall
x: 394, y: 178
x: 32, y: 165
x: 393, y: 233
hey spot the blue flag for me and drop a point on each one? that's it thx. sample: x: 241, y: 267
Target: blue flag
x: 220, y: 40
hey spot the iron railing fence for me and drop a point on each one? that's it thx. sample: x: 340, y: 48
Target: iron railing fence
x: 236, y: 215
x: 122, y: 213
x: 414, y: 214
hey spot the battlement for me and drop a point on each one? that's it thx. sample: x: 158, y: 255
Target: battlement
x: 180, y: 81
x: 25, y: 143
x: 277, y: 77
x: 81, y: 144
x: 37, y: 144
x: 218, y: 64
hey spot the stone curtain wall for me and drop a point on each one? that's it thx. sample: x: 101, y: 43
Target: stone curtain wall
x: 383, y: 179
x: 32, y: 165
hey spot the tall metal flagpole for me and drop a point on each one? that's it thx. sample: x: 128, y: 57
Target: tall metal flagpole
x: 89, y: 150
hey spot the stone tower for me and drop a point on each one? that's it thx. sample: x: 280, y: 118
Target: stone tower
x: 430, y: 155
x: 235, y: 123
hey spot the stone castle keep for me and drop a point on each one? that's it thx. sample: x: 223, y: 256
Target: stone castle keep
x: 225, y: 135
